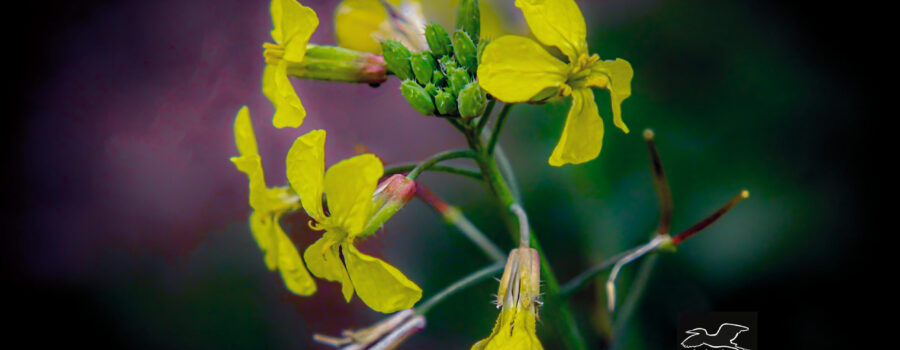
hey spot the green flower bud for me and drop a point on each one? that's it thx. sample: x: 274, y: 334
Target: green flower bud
x: 471, y: 100
x: 458, y: 79
x: 431, y: 89
x: 447, y: 62
x: 446, y: 103
x: 422, y: 66
x: 469, y: 19
x: 397, y: 58
x: 438, y: 78
x: 464, y: 50
x: 417, y: 96
x: 438, y: 39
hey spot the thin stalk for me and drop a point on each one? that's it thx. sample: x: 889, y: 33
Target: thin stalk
x: 495, y: 135
x: 586, y: 276
x: 634, y: 295
x: 455, y: 217
x: 485, y: 116
x: 431, y: 161
x: 461, y: 284
x: 450, y: 169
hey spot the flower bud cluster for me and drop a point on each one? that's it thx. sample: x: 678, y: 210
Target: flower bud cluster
x: 442, y: 81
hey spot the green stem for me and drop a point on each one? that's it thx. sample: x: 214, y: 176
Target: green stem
x: 431, y: 161
x: 402, y: 168
x: 564, y: 320
x: 485, y: 116
x: 495, y: 135
x: 455, y: 217
x: 583, y: 278
x: 461, y: 284
x: 634, y: 295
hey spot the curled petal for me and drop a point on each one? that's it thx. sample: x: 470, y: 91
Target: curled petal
x: 293, y: 24
x: 380, y: 285
x: 556, y: 23
x: 361, y: 24
x: 306, y: 169
x: 582, y: 135
x: 278, y: 89
x: 516, y: 69
x: 349, y: 186
x: 614, y: 76
x: 324, y: 261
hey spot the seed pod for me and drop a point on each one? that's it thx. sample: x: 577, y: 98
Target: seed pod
x: 469, y: 19
x: 417, y: 96
x: 446, y: 103
x: 422, y: 66
x: 397, y: 58
x: 438, y: 39
x: 464, y: 50
x: 458, y: 79
x: 471, y: 100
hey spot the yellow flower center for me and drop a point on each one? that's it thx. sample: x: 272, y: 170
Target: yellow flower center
x: 273, y: 53
x: 580, y: 71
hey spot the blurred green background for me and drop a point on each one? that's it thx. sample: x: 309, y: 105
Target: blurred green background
x: 741, y: 95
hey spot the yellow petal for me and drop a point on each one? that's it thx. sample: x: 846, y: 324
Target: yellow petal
x: 244, y: 137
x: 278, y: 89
x: 261, y: 228
x: 515, y: 69
x: 521, y: 335
x: 324, y: 261
x: 349, y: 186
x: 249, y: 162
x: 361, y: 24
x: 306, y: 169
x: 614, y: 76
x: 381, y: 286
x: 295, y: 277
x: 582, y: 136
x: 556, y: 23
x: 293, y: 24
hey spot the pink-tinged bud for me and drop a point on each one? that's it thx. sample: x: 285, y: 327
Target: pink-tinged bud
x: 390, y: 196
x: 333, y: 63
x: 386, y: 334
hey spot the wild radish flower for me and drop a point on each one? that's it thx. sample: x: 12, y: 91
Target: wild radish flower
x: 518, y: 299
x: 269, y: 204
x: 349, y: 186
x: 517, y: 69
x: 386, y: 334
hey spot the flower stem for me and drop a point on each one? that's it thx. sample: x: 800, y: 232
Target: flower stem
x: 467, y: 281
x: 431, y: 161
x: 455, y: 217
x: 402, y: 168
x: 495, y: 135
x: 584, y: 277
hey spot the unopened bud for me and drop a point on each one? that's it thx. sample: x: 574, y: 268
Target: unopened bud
x: 448, y: 62
x: 469, y: 18
x: 471, y: 100
x: 438, y: 39
x: 464, y: 50
x: 417, y: 96
x: 334, y: 63
x: 423, y: 66
x: 481, y: 45
x: 390, y: 196
x: 438, y: 78
x: 458, y: 78
x: 397, y: 58
x: 431, y: 89
x: 445, y: 103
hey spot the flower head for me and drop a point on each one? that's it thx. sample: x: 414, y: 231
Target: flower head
x: 293, y: 25
x: 349, y: 186
x: 269, y: 204
x: 517, y: 69
x: 518, y: 300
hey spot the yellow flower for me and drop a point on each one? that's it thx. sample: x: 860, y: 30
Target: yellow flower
x: 362, y: 24
x: 269, y: 204
x: 349, y: 186
x: 293, y: 25
x: 518, y: 300
x: 517, y: 69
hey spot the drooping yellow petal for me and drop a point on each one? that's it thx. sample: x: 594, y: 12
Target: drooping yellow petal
x: 306, y: 169
x: 293, y: 24
x: 614, y: 76
x: 324, y: 261
x: 381, y: 286
x: 249, y: 162
x: 278, y: 89
x: 582, y: 136
x: 556, y: 23
x: 244, y: 137
x: 261, y: 228
x: 293, y: 273
x: 515, y: 69
x: 349, y: 186
x: 361, y: 24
